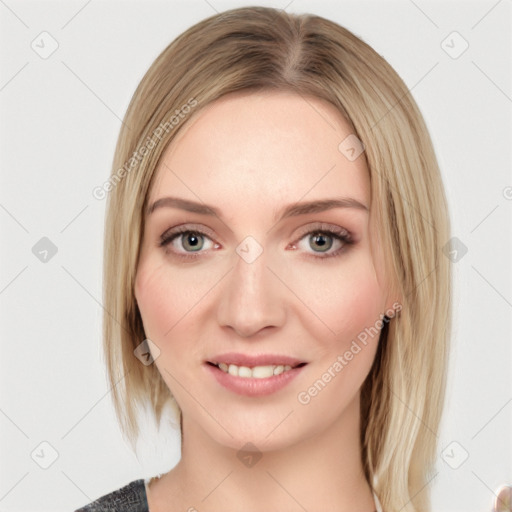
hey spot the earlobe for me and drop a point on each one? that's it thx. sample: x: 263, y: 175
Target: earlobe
x: 393, y: 309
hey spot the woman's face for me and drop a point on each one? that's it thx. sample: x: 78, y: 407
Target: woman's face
x: 266, y: 323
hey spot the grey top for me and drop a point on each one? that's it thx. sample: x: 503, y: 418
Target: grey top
x: 130, y: 498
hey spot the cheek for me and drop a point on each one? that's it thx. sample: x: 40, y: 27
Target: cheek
x: 346, y: 298
x: 165, y: 308
x: 349, y: 301
x: 159, y: 307
x: 168, y: 298
x: 147, y: 293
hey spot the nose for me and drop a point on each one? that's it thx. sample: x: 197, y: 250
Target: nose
x: 252, y: 298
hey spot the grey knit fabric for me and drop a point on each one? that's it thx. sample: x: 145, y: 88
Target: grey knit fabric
x: 130, y: 498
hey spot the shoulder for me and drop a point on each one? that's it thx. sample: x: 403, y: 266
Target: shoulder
x: 130, y: 498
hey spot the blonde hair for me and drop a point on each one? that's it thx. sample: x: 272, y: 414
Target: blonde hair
x: 257, y: 48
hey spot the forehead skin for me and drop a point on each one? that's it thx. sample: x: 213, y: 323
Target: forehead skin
x: 260, y: 151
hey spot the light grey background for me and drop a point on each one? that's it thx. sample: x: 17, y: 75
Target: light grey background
x: 60, y: 117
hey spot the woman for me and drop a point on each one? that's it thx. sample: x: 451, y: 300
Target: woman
x: 274, y: 271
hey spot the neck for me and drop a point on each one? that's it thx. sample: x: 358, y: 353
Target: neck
x: 322, y: 472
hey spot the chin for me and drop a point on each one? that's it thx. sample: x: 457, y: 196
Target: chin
x: 267, y: 430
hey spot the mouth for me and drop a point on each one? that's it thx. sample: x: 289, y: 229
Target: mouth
x: 254, y: 375
x: 256, y: 366
x: 255, y: 372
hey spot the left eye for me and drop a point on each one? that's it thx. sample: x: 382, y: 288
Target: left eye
x: 322, y: 240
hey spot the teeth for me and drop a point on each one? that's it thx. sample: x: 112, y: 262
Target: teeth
x: 278, y: 369
x: 258, y: 372
x: 243, y: 371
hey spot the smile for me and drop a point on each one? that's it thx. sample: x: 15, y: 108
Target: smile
x: 256, y: 372
x: 253, y: 375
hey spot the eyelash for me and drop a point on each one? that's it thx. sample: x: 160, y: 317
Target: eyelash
x: 342, y: 235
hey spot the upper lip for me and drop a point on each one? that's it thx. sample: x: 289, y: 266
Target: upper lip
x: 255, y: 360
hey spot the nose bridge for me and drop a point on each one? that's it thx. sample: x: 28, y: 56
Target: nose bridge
x: 250, y: 271
x: 251, y: 299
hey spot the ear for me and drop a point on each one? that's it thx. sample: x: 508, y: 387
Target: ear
x: 394, y: 302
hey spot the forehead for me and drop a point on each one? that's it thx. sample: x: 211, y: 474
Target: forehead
x: 258, y: 148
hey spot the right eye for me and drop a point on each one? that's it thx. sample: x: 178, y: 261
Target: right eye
x: 185, y: 242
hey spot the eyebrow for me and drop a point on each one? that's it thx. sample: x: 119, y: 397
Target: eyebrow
x: 291, y: 210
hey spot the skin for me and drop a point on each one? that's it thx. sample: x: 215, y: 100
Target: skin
x: 250, y: 155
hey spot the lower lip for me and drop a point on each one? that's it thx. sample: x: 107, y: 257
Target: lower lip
x: 249, y: 386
